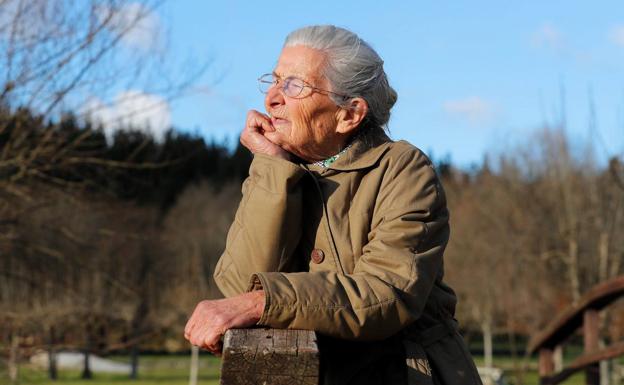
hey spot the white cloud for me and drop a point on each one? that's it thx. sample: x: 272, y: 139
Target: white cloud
x: 617, y: 35
x: 140, y: 27
x: 473, y: 108
x: 131, y: 109
x: 547, y: 35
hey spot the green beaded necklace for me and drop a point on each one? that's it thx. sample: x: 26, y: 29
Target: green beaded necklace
x: 327, y: 162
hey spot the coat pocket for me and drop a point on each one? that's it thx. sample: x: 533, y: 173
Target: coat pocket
x: 451, y: 362
x: 418, y: 368
x: 446, y: 354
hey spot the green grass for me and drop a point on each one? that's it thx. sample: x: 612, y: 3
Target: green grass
x: 170, y: 370
x: 530, y: 376
x: 174, y: 370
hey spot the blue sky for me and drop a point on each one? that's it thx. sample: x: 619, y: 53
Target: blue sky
x: 472, y: 76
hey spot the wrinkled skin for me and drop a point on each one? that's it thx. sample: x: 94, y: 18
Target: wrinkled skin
x: 212, y: 318
x: 312, y: 128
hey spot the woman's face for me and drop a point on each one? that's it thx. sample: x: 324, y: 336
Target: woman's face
x: 304, y: 126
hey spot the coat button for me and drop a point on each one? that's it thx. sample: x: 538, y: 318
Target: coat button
x: 317, y: 256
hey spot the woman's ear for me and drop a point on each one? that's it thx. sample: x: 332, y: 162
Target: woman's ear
x: 351, y: 115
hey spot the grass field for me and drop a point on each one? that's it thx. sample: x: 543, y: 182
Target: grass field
x: 169, y: 370
x: 530, y: 376
x: 174, y: 370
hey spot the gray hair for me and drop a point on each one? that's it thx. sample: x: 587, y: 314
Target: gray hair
x: 353, y: 69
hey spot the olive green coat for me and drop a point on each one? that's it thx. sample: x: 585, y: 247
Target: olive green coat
x: 353, y: 252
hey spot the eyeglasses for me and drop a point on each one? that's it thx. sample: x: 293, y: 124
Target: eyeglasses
x: 292, y: 86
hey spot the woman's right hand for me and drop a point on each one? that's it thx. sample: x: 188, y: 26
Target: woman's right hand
x: 253, y: 137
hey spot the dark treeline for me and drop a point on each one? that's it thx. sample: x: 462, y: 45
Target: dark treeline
x: 107, y: 246
x: 133, y: 166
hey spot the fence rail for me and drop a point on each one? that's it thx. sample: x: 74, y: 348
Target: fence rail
x: 584, y: 314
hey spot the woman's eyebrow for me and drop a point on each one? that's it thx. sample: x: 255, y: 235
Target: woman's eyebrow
x: 304, y: 78
x: 279, y: 76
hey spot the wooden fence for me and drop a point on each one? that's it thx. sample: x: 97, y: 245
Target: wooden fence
x: 269, y: 357
x: 584, y: 314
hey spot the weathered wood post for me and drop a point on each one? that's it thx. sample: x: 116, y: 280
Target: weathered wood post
x: 194, y: 365
x: 269, y: 357
x: 591, y: 324
x: 546, y: 364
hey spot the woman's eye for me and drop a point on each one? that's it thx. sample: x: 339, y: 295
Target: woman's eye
x: 294, y: 84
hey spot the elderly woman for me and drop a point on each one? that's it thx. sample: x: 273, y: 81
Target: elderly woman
x: 340, y: 229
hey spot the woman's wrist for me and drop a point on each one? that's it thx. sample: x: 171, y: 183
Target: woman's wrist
x: 257, y: 302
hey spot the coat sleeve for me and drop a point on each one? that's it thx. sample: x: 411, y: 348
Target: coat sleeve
x: 394, y: 276
x: 266, y: 228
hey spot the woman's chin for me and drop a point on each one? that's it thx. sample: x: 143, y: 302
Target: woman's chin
x: 282, y: 127
x: 275, y: 137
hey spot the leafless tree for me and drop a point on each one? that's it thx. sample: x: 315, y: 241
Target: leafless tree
x: 196, y: 228
x: 532, y: 231
x: 55, y: 55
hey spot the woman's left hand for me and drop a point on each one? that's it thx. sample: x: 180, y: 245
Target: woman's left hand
x: 211, y: 318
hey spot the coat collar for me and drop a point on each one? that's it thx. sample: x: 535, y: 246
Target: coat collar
x: 363, y: 153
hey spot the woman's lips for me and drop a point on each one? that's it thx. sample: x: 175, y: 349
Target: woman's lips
x: 278, y: 121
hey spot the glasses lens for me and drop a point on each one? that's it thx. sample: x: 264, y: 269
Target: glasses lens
x: 265, y: 82
x: 293, y: 87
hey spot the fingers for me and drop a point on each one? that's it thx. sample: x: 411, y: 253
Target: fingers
x: 204, y: 328
x: 216, y: 349
x: 254, y: 136
x: 211, y: 318
x: 272, y: 136
x: 261, y: 137
x: 207, y: 338
x: 192, y: 322
x: 188, y: 329
x: 258, y: 122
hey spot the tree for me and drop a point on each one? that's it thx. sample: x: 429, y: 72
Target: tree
x: 57, y: 54
x: 54, y: 56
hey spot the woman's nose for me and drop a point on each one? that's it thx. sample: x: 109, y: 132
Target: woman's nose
x: 274, y: 97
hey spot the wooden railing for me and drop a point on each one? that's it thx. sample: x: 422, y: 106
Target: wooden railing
x: 584, y: 314
x: 269, y: 357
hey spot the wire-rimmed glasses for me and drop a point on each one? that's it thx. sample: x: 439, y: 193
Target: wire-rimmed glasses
x: 292, y: 86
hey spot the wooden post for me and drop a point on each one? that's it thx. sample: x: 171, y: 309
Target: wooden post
x: 486, y: 327
x: 545, y: 364
x: 13, y: 361
x: 269, y: 357
x: 194, y: 365
x: 591, y: 324
x: 52, y: 369
x: 558, y: 358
